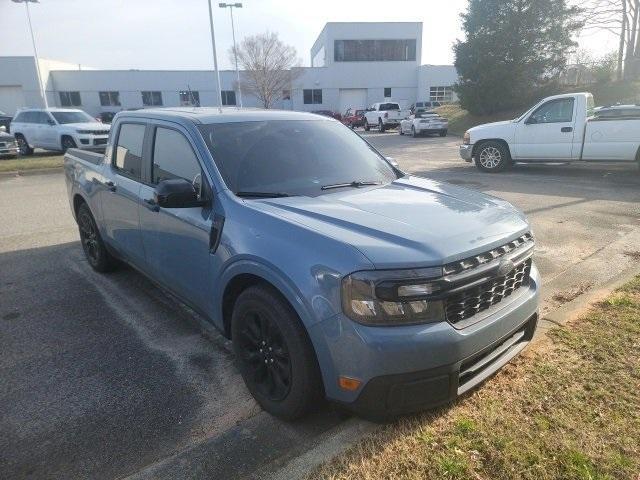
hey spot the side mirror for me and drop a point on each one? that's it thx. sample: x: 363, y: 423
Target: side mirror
x: 392, y: 161
x: 177, y: 193
x: 51, y: 122
x: 531, y: 120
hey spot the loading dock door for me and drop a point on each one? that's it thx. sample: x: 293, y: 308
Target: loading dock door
x: 11, y: 99
x: 355, y: 98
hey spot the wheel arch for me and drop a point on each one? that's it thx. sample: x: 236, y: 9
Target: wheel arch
x: 66, y: 135
x: 502, y: 141
x: 247, y: 273
x: 78, y: 200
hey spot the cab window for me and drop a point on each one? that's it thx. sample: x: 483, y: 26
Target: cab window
x: 173, y: 157
x: 128, y: 150
x: 554, y: 111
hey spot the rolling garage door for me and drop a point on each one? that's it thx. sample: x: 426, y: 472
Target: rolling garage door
x: 352, y: 98
x: 11, y: 99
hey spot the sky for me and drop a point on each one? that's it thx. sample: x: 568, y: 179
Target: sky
x: 174, y: 34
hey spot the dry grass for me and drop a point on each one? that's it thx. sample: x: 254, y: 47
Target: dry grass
x: 571, y: 294
x: 570, y: 409
x: 31, y: 162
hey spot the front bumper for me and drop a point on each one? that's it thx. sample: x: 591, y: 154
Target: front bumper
x: 466, y: 152
x: 92, y: 142
x: 6, y: 149
x: 410, y: 368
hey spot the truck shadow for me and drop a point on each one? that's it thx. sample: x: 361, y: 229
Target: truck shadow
x: 105, y: 375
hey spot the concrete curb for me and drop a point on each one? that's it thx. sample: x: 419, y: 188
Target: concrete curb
x: 35, y: 171
x: 340, y: 438
x: 578, y: 306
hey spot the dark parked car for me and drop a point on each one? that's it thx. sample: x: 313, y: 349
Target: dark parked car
x: 106, y: 117
x: 328, y: 113
x: 8, y: 145
x: 5, y: 120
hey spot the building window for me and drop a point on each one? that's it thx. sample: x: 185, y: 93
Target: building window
x: 228, y: 97
x: 286, y: 94
x: 312, y: 96
x: 189, y: 98
x: 70, y: 99
x: 374, y: 50
x: 109, y: 99
x: 441, y: 94
x: 387, y: 92
x: 152, y: 99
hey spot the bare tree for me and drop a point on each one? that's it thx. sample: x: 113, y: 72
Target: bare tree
x: 267, y: 63
x: 622, y: 18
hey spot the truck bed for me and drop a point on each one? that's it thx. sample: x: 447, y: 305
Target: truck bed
x: 94, y: 158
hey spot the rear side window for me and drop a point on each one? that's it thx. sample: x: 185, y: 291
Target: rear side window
x: 389, y: 106
x: 128, y: 154
x: 173, y: 157
x: 20, y: 117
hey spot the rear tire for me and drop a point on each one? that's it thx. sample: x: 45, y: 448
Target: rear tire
x: 366, y: 126
x: 381, y: 126
x: 274, y: 354
x: 414, y: 134
x: 400, y: 130
x: 94, y: 248
x: 23, y: 145
x: 492, y: 157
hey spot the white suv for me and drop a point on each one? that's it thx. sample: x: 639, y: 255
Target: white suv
x: 57, y: 129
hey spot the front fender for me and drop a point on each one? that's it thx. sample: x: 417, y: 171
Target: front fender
x: 268, y: 272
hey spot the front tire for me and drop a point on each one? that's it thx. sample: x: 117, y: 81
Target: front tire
x: 414, y: 134
x: 492, y: 157
x: 381, y: 126
x: 67, y: 143
x: 94, y: 248
x: 23, y: 145
x: 274, y: 354
x: 366, y: 126
x: 442, y: 133
x: 400, y: 131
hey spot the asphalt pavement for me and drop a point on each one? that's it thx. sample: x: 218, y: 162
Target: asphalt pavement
x: 107, y: 376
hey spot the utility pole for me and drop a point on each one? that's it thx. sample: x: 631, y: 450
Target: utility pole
x: 215, y: 59
x: 235, y: 51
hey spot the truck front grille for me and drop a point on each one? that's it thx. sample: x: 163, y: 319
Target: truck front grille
x: 467, y: 303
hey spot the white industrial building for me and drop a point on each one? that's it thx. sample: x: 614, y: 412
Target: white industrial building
x: 352, y: 65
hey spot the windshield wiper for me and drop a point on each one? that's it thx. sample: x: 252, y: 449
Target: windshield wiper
x: 355, y: 183
x: 263, y: 194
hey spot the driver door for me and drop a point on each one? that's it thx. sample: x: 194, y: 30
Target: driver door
x: 176, y: 240
x: 547, y: 134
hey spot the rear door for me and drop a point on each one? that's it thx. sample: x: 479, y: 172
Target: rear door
x: 28, y: 127
x: 120, y: 196
x: 547, y: 133
x: 176, y: 240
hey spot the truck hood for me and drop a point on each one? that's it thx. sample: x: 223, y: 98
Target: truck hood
x: 504, y: 130
x: 412, y: 222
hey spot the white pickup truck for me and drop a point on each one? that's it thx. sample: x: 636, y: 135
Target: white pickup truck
x: 383, y: 115
x: 561, y: 128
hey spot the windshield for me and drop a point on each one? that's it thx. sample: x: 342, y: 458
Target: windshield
x: 72, y: 117
x: 292, y: 156
x: 389, y: 106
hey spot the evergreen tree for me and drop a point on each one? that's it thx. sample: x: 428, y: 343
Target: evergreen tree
x: 512, y: 52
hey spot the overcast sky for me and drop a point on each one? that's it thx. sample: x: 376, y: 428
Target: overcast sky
x: 174, y: 34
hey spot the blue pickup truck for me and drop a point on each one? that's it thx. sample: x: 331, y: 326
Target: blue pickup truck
x: 335, y: 274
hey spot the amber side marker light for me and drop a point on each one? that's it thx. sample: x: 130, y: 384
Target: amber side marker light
x: 350, y: 384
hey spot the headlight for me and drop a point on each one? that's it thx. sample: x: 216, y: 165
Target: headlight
x: 393, y: 297
x: 466, y: 139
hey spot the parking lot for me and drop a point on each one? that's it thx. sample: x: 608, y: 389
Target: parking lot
x: 108, y: 377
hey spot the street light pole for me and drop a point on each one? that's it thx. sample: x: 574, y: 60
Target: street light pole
x: 43, y: 94
x: 215, y: 58
x: 235, y: 51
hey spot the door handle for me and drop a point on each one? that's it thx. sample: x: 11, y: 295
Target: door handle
x: 110, y: 185
x: 566, y: 129
x: 151, y: 204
